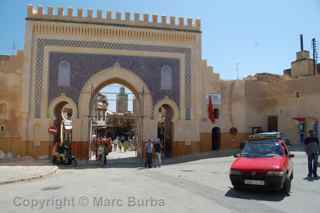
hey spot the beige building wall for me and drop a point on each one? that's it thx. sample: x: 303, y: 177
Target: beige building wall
x: 11, y: 104
x: 232, y: 111
x: 286, y: 99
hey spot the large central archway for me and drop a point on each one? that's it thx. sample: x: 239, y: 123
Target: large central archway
x: 115, y: 74
x: 119, y: 75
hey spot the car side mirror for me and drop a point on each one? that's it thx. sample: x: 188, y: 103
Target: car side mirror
x: 291, y: 155
x: 236, y: 155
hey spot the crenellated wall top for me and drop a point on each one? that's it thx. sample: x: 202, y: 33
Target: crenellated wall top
x: 126, y: 19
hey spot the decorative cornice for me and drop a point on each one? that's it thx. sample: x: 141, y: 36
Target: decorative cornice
x: 119, y: 19
x: 98, y: 31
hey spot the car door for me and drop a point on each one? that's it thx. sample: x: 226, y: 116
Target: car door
x: 289, y: 162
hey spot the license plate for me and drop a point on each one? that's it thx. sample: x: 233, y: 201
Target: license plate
x: 254, y: 182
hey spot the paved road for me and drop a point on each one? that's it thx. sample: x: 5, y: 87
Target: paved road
x: 197, y: 186
x: 21, y: 172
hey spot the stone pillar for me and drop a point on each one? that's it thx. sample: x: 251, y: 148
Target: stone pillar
x: 80, y: 12
x: 173, y: 20
x: 50, y: 11
x: 60, y: 11
x: 70, y: 12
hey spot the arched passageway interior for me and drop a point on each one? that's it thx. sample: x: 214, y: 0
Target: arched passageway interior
x: 114, y: 115
x: 165, y: 129
x: 61, y: 147
x: 63, y: 123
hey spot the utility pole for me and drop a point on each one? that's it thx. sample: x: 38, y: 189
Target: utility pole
x: 301, y: 43
x: 315, y: 55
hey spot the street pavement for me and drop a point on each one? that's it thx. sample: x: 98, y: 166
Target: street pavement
x: 119, y: 155
x: 194, y: 186
x: 11, y: 172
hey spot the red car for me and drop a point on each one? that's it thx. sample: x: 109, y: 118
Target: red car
x: 263, y: 164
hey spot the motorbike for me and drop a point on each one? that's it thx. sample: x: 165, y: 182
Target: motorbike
x: 64, y: 156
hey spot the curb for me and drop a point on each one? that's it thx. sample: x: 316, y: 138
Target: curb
x: 34, y: 177
x: 202, y: 156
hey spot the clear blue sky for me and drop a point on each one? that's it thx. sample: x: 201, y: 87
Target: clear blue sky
x: 262, y: 36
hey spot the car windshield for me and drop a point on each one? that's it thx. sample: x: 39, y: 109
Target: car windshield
x: 262, y: 149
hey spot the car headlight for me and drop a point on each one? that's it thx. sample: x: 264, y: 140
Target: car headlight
x: 235, y: 172
x: 275, y: 173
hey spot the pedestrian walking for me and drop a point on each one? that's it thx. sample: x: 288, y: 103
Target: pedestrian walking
x: 115, y: 143
x: 157, y: 149
x: 144, y: 153
x: 121, y: 144
x: 149, y: 152
x: 311, y: 144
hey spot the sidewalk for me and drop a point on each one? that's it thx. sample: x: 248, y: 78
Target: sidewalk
x: 200, y: 156
x: 16, y: 171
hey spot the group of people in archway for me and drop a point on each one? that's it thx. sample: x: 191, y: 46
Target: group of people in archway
x: 103, y: 146
x: 152, y: 153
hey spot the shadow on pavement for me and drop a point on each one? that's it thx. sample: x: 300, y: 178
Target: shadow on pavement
x: 201, y: 156
x: 51, y: 188
x: 296, y: 148
x: 259, y: 195
x: 311, y: 179
x: 133, y: 162
x: 130, y: 162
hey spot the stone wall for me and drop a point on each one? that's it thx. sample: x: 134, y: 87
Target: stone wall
x: 286, y: 99
x: 10, y: 103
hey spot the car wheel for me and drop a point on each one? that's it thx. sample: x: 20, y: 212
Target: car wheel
x: 287, y: 186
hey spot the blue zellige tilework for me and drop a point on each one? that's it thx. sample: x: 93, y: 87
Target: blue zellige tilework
x: 140, y: 65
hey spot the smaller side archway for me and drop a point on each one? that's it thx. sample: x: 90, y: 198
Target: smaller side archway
x: 169, y: 102
x: 62, y: 110
x: 59, y: 102
x: 166, y: 113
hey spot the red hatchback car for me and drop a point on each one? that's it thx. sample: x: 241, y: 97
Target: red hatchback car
x: 263, y: 164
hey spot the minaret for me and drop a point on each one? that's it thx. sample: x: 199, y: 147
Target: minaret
x: 122, y: 101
